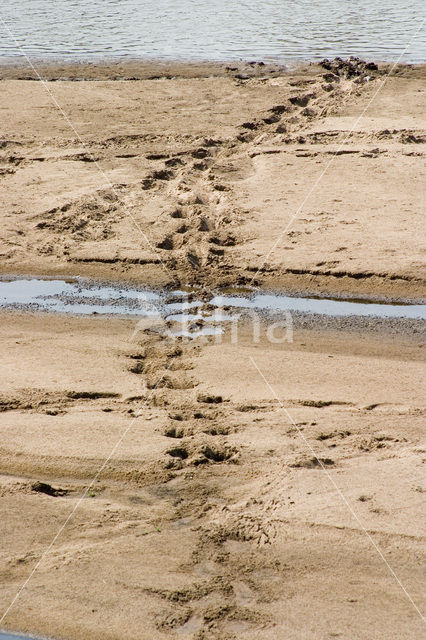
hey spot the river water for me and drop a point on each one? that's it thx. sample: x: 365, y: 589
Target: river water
x: 271, y: 30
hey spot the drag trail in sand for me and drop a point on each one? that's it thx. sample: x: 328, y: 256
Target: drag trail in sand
x: 200, y: 175
x: 214, y: 518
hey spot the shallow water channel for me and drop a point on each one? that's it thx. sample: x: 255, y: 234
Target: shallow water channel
x: 16, y: 636
x: 189, y: 313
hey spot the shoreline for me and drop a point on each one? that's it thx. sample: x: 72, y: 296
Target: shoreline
x: 146, y: 69
x: 56, y: 70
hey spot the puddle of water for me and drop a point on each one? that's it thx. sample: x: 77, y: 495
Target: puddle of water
x: 272, y: 30
x: 79, y: 297
x: 184, y: 318
x: 187, y: 318
x: 17, y: 636
x: 322, y: 306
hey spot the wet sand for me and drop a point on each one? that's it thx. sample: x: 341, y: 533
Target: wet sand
x: 220, y: 513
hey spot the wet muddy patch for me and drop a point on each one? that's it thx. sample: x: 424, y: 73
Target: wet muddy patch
x: 191, y: 313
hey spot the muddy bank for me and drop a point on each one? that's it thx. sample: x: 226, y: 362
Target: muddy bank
x: 142, y: 70
x: 156, y: 70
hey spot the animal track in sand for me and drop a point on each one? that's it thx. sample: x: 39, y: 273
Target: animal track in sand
x: 204, y: 197
x: 167, y: 244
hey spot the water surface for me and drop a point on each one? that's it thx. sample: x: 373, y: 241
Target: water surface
x: 271, y: 30
x: 323, y: 306
x: 83, y: 296
x: 16, y: 636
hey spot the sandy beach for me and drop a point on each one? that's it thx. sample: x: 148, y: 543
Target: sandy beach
x: 156, y: 489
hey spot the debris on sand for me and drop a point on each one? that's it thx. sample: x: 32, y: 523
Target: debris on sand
x: 44, y: 487
x: 350, y: 68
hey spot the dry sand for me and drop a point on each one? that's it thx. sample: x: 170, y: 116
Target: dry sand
x: 221, y: 513
x: 205, y: 174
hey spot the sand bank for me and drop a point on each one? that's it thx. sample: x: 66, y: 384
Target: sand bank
x: 304, y: 181
x: 213, y: 515
x: 218, y: 513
